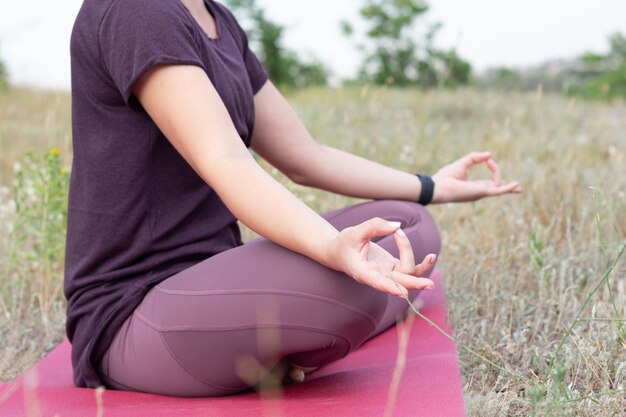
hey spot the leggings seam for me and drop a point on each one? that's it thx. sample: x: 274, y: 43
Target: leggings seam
x: 364, y: 314
x: 159, y: 329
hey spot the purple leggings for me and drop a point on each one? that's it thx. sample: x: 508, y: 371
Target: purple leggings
x: 196, y: 333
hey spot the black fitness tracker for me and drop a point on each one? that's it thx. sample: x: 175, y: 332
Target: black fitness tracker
x: 428, y: 189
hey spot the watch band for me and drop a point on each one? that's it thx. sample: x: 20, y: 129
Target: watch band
x: 428, y: 189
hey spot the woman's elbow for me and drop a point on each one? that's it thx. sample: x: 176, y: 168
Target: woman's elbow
x: 304, y: 169
x: 300, y: 177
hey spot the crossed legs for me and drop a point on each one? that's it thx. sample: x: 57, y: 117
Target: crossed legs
x: 200, y: 331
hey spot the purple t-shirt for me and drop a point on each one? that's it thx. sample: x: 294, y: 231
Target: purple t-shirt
x: 138, y: 213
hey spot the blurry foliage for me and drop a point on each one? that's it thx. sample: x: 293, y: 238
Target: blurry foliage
x: 551, y: 76
x: 286, y: 68
x: 506, y: 79
x: 34, y: 249
x: 4, y: 76
x: 607, y: 78
x: 592, y: 75
x: 399, y: 52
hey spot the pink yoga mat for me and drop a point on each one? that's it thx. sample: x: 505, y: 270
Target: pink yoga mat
x: 355, y: 386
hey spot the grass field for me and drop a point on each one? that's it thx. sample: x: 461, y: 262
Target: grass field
x: 535, y: 282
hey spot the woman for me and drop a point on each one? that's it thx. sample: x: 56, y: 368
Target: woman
x: 163, y: 297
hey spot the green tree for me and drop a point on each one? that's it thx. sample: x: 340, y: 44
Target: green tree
x: 285, y: 67
x: 399, y: 54
x: 606, y: 73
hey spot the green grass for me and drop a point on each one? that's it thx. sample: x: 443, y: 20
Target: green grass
x: 534, y: 282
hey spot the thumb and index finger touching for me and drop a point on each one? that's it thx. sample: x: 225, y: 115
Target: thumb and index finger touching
x: 405, y: 274
x: 475, y: 158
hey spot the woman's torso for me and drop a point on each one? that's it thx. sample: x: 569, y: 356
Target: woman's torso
x: 137, y: 211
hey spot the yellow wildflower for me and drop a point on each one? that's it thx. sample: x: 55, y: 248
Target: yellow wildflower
x: 55, y: 151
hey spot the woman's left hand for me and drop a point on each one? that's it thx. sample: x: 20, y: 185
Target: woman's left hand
x: 452, y: 185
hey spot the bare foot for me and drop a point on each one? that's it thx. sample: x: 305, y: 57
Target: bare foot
x: 296, y: 374
x: 283, y: 373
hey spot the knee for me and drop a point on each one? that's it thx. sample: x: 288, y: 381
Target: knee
x: 428, y: 230
x: 415, y: 219
x: 418, y: 223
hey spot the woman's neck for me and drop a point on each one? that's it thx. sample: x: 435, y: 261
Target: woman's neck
x: 199, y: 12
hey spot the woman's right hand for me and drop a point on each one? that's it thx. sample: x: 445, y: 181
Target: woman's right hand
x: 353, y: 253
x: 452, y: 184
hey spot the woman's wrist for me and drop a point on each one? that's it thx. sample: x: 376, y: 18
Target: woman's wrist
x: 325, y: 252
x: 427, y: 190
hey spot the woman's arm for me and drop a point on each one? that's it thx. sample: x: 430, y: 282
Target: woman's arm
x: 188, y: 110
x: 282, y: 139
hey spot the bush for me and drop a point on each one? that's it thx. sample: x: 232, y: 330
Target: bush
x: 34, y: 250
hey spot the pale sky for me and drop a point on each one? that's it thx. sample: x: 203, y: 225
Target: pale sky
x: 34, y: 34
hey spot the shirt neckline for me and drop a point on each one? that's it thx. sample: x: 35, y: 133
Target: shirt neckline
x: 218, y: 22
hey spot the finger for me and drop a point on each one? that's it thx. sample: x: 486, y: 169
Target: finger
x: 426, y: 265
x: 474, y: 158
x: 511, y: 187
x: 380, y: 282
x: 374, y: 227
x: 411, y: 282
x: 496, y: 176
x: 407, y: 259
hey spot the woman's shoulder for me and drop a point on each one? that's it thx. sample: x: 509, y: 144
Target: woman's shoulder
x: 145, y: 8
x: 122, y: 22
x: 120, y: 39
x: 96, y: 12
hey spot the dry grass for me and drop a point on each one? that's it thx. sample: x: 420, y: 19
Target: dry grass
x: 28, y: 120
x: 518, y: 269
x: 32, y: 120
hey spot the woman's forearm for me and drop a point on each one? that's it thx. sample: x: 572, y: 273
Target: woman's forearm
x: 269, y: 209
x: 282, y: 139
x: 341, y: 172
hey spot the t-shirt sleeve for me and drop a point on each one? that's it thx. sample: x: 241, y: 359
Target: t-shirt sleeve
x: 256, y: 72
x: 136, y: 35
